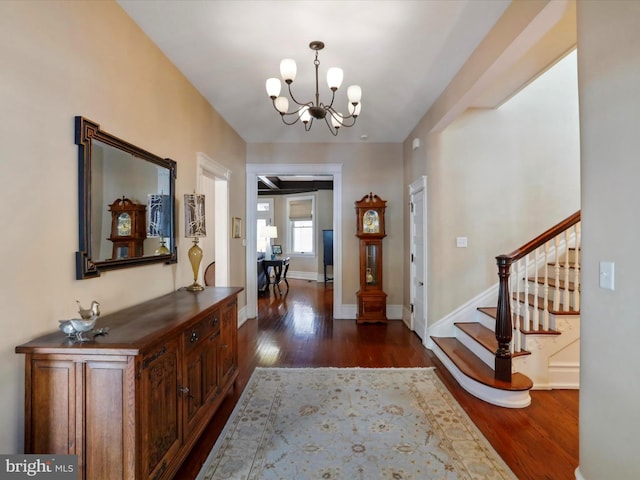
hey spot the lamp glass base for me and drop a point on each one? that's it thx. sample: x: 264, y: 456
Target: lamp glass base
x: 196, y: 287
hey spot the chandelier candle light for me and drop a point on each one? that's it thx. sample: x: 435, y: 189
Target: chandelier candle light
x: 307, y: 112
x: 194, y: 226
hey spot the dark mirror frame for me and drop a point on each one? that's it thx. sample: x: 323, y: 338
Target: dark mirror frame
x: 85, y: 132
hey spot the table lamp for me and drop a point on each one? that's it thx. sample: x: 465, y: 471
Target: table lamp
x: 194, y: 227
x: 269, y: 232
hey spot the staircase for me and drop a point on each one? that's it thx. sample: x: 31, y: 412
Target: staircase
x: 530, y: 338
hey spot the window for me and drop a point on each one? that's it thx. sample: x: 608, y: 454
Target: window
x: 301, y: 228
x: 264, y: 217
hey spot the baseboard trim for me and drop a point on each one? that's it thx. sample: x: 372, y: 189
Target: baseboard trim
x: 444, y: 327
x: 313, y: 276
x: 350, y: 312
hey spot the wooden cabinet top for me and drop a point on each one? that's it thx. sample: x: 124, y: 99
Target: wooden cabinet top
x: 134, y: 329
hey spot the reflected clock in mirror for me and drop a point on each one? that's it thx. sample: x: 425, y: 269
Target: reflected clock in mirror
x: 111, y: 171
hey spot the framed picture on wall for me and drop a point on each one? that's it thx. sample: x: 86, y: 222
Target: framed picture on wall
x: 276, y: 249
x: 236, y: 227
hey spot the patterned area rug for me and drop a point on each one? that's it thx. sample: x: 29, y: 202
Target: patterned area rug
x: 350, y: 423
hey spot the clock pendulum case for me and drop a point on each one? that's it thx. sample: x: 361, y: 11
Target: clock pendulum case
x: 372, y: 301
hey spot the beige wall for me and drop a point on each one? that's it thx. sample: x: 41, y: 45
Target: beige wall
x: 609, y: 72
x: 61, y: 59
x: 365, y: 168
x: 498, y: 177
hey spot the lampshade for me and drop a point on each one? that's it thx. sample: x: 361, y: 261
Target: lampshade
x: 273, y: 87
x: 270, y: 231
x: 288, y: 69
x: 158, y: 215
x: 194, y: 222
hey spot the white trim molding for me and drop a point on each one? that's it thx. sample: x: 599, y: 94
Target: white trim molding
x: 256, y: 169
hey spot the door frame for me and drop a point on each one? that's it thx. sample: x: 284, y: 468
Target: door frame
x: 206, y: 167
x: 417, y: 186
x: 256, y: 169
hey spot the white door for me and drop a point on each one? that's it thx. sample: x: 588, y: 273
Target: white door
x: 418, y: 258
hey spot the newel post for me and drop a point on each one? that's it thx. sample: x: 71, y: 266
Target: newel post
x: 503, y: 321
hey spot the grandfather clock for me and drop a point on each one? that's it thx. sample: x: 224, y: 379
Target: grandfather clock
x: 128, y: 228
x: 372, y: 301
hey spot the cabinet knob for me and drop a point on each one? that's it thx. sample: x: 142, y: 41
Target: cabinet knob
x: 214, y: 321
x: 194, y: 337
x: 185, y: 391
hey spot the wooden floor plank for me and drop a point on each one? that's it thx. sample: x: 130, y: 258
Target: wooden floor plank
x: 298, y: 330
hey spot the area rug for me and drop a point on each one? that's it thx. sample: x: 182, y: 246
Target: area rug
x: 350, y: 423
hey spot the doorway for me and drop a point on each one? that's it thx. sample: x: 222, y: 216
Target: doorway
x: 418, y: 236
x: 255, y: 170
x: 213, y: 182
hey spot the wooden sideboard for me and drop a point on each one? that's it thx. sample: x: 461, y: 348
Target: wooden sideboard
x: 132, y: 403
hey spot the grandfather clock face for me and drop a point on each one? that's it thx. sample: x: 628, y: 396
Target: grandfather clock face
x: 123, y: 228
x: 371, y: 222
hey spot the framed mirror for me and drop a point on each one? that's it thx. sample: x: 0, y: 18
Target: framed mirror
x: 126, y: 203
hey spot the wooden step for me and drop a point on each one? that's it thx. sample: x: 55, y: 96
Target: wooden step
x: 474, y: 368
x: 554, y: 283
x: 493, y: 313
x: 484, y: 336
x: 528, y: 300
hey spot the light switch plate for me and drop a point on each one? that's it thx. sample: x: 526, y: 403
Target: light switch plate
x: 461, y: 242
x: 607, y: 275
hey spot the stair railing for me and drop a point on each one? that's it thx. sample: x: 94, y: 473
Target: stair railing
x: 553, y: 291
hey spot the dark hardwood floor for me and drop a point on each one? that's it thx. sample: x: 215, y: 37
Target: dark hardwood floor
x: 298, y: 330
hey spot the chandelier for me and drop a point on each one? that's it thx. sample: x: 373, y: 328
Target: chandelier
x: 307, y: 112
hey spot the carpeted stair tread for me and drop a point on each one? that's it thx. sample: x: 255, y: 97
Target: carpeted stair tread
x: 474, y: 368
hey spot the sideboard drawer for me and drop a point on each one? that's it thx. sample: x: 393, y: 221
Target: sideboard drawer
x: 197, y: 333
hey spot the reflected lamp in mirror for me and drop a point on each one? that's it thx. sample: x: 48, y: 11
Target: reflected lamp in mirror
x: 194, y: 227
x: 159, y: 220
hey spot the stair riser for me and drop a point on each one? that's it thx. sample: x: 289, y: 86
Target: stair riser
x: 482, y: 353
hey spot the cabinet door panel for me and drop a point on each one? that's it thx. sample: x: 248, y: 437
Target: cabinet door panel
x: 107, y: 395
x: 210, y: 380
x: 228, y: 333
x: 192, y: 388
x: 51, y: 427
x: 160, y: 422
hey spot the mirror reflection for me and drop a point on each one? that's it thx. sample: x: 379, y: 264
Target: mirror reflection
x: 126, y: 203
x: 121, y: 188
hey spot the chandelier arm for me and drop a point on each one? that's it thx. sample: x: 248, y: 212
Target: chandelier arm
x: 307, y: 126
x: 334, y: 131
x: 295, y: 113
x: 310, y: 104
x: 333, y: 97
x: 342, y: 122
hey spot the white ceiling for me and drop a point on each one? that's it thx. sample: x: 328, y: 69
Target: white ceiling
x: 402, y: 53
